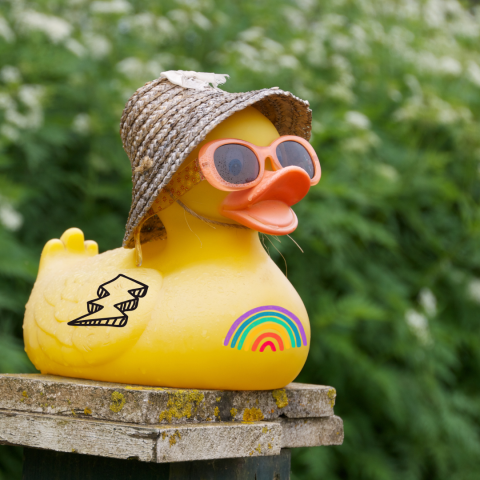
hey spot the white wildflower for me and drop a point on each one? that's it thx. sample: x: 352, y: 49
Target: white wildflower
x: 98, y: 45
x: 166, y: 27
x: 288, y: 61
x: 434, y: 13
x: 10, y: 74
x: 387, y: 171
x: 340, y: 43
x: 5, y: 30
x: 56, y: 28
x: 272, y: 47
x: 305, y: 4
x: 474, y: 73
x: 81, y: 123
x: 473, y: 290
x: 179, y: 16
x: 201, y: 21
x: 6, y: 101
x: 75, y: 47
x: 395, y: 95
x: 9, y: 217
x: 142, y: 20
x: 316, y: 54
x: 114, y: 6
x: 357, y: 120
x: 340, y: 92
x: 428, y: 301
x: 450, y: 66
x: 299, y: 46
x: 295, y: 18
x: 31, y: 95
x: 10, y: 132
x: 251, y: 34
x: 130, y: 67
x: 418, y: 324
x: 361, y: 143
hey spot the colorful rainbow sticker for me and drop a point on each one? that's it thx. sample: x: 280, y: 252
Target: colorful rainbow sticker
x: 268, y: 326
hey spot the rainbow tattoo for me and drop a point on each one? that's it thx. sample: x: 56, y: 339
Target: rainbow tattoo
x: 268, y: 326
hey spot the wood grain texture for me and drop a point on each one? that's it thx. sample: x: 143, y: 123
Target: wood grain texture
x: 312, y: 432
x: 148, y: 406
x: 160, y: 444
x: 164, y: 444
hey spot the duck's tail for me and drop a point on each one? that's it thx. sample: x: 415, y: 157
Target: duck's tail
x: 72, y: 245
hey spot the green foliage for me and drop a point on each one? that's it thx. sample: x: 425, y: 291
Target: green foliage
x: 391, y: 235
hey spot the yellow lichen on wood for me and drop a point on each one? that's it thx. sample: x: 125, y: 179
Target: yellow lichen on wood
x: 218, y: 399
x: 182, y: 403
x: 259, y: 448
x: 252, y: 415
x: 270, y: 446
x: 233, y: 413
x: 172, y: 438
x: 332, y: 393
x: 25, y: 394
x: 87, y: 411
x: 280, y: 397
x: 216, y: 412
x: 265, y: 430
x: 118, y: 402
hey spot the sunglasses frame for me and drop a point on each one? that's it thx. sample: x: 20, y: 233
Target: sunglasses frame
x: 207, y: 163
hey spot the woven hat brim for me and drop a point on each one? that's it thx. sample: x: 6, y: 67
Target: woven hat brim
x: 176, y: 121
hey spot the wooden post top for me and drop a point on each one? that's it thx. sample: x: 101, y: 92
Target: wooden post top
x: 163, y: 424
x: 78, y: 398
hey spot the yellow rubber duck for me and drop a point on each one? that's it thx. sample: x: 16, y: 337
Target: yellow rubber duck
x: 207, y: 309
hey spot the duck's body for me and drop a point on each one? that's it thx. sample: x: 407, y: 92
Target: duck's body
x: 203, y: 283
x: 180, y: 325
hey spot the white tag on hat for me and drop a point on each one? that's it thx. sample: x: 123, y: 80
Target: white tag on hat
x: 196, y: 80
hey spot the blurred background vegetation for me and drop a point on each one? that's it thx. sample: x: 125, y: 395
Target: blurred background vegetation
x: 391, y: 270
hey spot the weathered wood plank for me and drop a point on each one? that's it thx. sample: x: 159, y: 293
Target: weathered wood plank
x: 223, y: 440
x: 149, y: 405
x: 145, y: 443
x: 49, y: 465
x: 312, y: 432
x: 163, y: 444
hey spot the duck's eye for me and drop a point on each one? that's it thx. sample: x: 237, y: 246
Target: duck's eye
x: 235, y: 166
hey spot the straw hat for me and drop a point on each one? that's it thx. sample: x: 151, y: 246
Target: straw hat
x: 168, y: 117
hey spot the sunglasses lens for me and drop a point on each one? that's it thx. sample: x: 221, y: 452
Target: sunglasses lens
x: 236, y: 164
x: 293, y: 154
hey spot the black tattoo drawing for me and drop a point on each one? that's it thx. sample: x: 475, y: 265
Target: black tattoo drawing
x: 112, y: 312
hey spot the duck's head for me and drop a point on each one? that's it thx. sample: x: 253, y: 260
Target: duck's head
x: 173, y: 129
x: 266, y: 206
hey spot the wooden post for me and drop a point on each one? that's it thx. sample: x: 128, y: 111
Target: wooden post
x: 134, y: 432
x: 50, y: 465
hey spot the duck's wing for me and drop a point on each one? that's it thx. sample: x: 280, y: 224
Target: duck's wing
x: 92, y: 312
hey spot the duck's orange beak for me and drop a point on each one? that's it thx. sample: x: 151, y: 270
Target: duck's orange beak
x: 266, y: 207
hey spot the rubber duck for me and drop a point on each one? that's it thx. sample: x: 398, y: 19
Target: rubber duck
x: 207, y: 308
